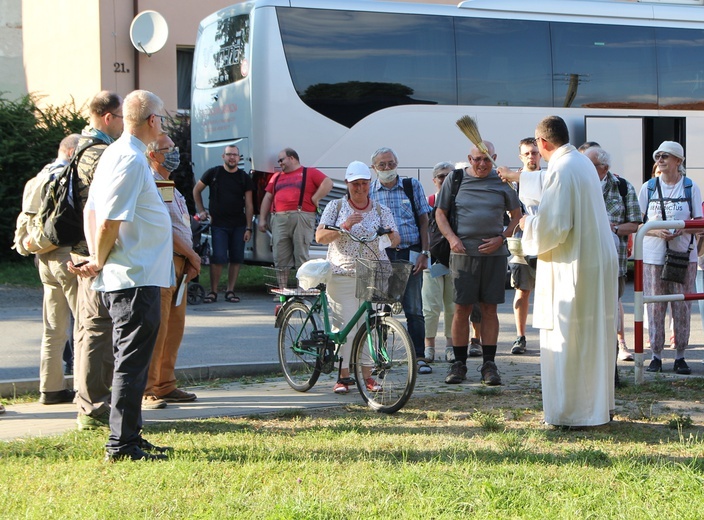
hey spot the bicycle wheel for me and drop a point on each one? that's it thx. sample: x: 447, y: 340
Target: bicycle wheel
x: 386, y: 355
x: 300, y: 362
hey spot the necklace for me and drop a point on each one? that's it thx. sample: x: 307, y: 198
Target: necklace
x: 357, y: 207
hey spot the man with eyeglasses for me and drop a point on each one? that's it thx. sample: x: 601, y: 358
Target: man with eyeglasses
x: 130, y: 242
x: 292, y: 197
x: 231, y: 211
x: 478, y: 257
x: 409, y: 206
x: 522, y: 268
x: 161, y: 387
x: 576, y: 278
x: 93, y: 329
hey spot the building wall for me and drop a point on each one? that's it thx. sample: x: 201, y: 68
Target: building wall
x: 12, y: 83
x: 68, y: 56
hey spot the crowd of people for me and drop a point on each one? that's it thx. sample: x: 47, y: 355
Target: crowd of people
x: 123, y: 283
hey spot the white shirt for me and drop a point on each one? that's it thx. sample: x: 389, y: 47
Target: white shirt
x: 123, y: 189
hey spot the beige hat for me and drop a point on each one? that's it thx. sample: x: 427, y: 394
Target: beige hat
x: 672, y: 148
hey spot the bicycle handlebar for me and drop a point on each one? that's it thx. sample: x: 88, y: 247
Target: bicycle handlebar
x: 379, y: 232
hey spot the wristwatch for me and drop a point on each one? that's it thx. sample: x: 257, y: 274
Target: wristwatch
x: 248, y: 229
x: 616, y: 230
x: 425, y: 252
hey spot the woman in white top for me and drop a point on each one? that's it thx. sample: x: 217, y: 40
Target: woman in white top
x: 362, y: 217
x: 679, y: 205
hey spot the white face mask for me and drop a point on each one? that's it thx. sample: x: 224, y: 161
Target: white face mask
x: 387, y: 175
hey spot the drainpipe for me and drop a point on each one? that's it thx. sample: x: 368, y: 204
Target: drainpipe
x: 135, y: 11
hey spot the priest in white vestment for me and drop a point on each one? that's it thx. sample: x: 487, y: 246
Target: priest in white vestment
x: 575, y: 291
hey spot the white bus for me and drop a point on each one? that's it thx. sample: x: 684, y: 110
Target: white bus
x: 337, y: 79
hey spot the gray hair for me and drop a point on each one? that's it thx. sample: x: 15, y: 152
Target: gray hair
x: 384, y: 150
x: 598, y: 153
x: 441, y: 167
x: 139, y: 105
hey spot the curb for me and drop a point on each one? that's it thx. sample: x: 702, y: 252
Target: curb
x: 190, y: 374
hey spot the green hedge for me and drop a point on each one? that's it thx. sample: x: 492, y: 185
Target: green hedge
x: 29, y: 139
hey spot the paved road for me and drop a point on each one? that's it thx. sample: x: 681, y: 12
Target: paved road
x: 226, y: 334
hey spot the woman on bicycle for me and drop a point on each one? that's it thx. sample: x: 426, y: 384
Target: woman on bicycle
x: 360, y: 216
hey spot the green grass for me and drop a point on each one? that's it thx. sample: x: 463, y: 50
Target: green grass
x: 22, y: 272
x: 446, y: 456
x: 251, y: 279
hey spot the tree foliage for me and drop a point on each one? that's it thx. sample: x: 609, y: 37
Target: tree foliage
x: 29, y: 139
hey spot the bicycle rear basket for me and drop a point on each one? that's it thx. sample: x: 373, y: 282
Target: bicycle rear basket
x: 381, y: 281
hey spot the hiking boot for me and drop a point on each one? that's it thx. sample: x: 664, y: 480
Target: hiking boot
x: 475, y: 348
x: 490, y: 374
x: 152, y: 402
x: 179, y: 396
x: 449, y: 354
x: 624, y: 354
x: 519, y: 346
x: 62, y: 396
x: 430, y: 354
x: 457, y: 373
x: 656, y: 365
x: 681, y: 367
x: 93, y: 422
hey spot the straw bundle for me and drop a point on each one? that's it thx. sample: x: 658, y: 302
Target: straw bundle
x: 469, y: 128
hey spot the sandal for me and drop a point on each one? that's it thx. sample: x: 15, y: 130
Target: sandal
x: 231, y: 297
x: 211, y: 298
x: 424, y: 367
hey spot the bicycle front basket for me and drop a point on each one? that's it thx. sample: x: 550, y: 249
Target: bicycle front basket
x: 381, y: 281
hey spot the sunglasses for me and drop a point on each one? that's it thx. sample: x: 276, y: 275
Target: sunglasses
x: 441, y: 176
x: 663, y: 156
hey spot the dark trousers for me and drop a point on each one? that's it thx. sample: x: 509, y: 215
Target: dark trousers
x: 412, y: 303
x: 135, y: 314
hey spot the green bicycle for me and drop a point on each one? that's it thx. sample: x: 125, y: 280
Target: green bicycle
x: 381, y: 346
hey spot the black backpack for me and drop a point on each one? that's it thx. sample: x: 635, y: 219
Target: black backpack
x: 60, y: 214
x: 439, y: 246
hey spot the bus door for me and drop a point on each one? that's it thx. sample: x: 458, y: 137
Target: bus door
x: 631, y: 141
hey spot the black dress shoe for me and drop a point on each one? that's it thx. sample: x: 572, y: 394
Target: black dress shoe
x: 134, y: 453
x: 145, y: 445
x: 62, y: 396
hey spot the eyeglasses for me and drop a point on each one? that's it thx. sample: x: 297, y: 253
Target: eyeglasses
x: 481, y: 159
x: 232, y: 155
x: 441, y: 176
x: 530, y: 154
x: 116, y: 115
x: 663, y: 156
x: 281, y: 160
x: 163, y: 118
x: 170, y: 149
x: 386, y: 165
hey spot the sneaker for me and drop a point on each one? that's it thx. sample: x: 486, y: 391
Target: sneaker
x: 655, y: 365
x: 430, y: 354
x: 341, y: 388
x: 62, y: 396
x: 145, y: 445
x: 93, y: 422
x: 623, y: 353
x: 134, y: 453
x: 681, y: 367
x: 152, y: 402
x: 449, y: 354
x: 490, y: 374
x: 179, y: 396
x: 372, y: 385
x: 457, y: 373
x: 475, y: 348
x: 519, y: 346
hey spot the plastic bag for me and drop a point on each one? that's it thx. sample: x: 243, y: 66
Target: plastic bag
x: 314, y: 272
